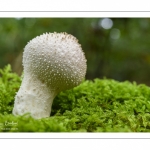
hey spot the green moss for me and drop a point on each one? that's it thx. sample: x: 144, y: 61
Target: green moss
x: 102, y: 105
x: 9, y: 85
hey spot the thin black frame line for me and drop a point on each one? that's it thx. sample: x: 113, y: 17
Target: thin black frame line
x: 75, y: 11
x: 84, y: 138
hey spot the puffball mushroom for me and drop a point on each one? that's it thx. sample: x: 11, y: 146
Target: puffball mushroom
x: 52, y: 62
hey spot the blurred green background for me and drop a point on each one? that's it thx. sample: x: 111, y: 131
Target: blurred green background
x: 117, y: 48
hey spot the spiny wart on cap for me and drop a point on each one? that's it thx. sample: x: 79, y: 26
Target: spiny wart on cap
x: 52, y: 62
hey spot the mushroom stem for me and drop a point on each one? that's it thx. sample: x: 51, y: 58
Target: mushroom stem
x: 28, y: 99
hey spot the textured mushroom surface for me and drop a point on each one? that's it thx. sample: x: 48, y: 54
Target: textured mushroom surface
x: 52, y: 62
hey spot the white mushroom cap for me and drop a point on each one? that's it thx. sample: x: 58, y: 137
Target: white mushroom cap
x: 52, y: 63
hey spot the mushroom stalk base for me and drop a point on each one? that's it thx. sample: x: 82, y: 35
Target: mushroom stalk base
x: 34, y: 97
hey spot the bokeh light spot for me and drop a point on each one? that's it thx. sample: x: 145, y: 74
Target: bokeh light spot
x: 106, y: 23
x: 115, y: 34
